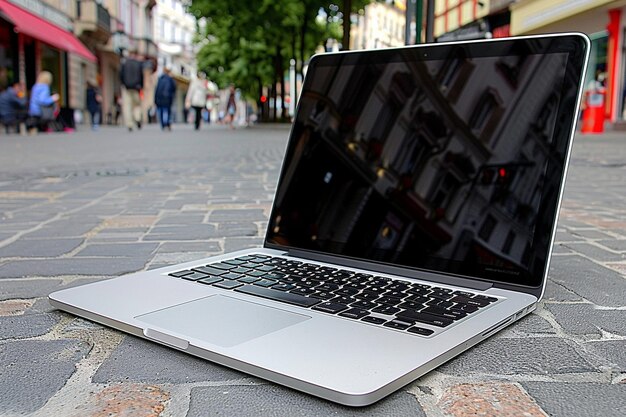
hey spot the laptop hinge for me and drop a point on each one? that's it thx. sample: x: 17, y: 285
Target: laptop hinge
x: 392, y: 270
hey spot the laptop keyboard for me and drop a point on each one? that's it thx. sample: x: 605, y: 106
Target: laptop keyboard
x: 402, y: 305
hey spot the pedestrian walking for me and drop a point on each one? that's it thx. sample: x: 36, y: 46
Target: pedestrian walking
x: 231, y: 106
x: 131, y: 76
x: 164, y: 97
x: 94, y: 105
x: 42, y: 107
x: 13, y: 106
x: 197, y: 97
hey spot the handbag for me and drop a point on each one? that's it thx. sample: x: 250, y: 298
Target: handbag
x: 47, y: 113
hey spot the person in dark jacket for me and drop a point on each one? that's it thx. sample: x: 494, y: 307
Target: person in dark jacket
x: 131, y: 76
x: 164, y: 97
x: 12, y: 106
x: 94, y: 105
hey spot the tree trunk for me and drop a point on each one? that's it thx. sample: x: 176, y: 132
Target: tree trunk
x: 274, y: 84
x: 305, y: 22
x: 281, y: 74
x: 347, y: 10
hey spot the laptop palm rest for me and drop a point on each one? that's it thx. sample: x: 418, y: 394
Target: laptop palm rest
x: 219, y: 320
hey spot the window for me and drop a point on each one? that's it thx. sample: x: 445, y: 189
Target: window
x: 508, y: 243
x: 483, y: 111
x: 489, y: 224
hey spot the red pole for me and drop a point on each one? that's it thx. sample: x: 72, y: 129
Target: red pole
x: 615, y: 16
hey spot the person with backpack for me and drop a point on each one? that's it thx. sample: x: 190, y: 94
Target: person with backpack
x: 131, y: 77
x: 164, y: 97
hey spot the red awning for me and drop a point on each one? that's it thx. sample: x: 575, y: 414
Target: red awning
x: 31, y: 25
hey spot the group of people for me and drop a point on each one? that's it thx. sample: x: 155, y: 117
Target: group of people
x: 35, y: 113
x: 199, y: 98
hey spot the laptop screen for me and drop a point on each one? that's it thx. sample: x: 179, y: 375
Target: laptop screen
x: 446, y: 158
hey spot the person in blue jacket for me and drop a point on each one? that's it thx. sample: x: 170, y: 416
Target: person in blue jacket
x: 164, y: 97
x: 41, y: 101
x: 13, y: 106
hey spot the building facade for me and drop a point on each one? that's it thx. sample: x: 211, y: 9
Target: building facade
x: 379, y: 25
x: 78, y: 42
x: 174, y: 30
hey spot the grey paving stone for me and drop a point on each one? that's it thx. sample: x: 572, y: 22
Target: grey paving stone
x: 584, y: 319
x: 77, y: 226
x: 172, y: 247
x: 600, y: 285
x: 26, y: 288
x: 579, y: 399
x: 532, y: 324
x: 557, y: 292
x: 237, y: 229
x: 272, y: 400
x: 138, y: 250
x: 613, y: 350
x: 191, y: 232
x: 560, y: 249
x: 615, y: 244
x: 27, y: 325
x: 181, y: 219
x: 137, y: 360
x: 595, y: 252
x: 564, y: 236
x: 71, y: 266
x: 232, y: 244
x: 218, y: 216
x: 523, y: 356
x: 40, y: 248
x: 591, y: 234
x: 24, y: 389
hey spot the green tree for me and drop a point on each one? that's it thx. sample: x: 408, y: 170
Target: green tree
x: 252, y: 46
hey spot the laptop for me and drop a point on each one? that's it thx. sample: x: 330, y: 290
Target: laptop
x: 413, y: 218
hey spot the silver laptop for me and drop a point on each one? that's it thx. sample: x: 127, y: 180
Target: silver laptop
x: 413, y: 218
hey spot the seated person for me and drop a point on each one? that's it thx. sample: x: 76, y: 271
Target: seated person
x: 13, y: 106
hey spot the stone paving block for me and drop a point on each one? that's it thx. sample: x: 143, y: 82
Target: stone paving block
x: 595, y: 283
x: 137, y: 360
x: 71, y: 266
x: 24, y: 389
x: 218, y: 216
x: 525, y: 356
x: 135, y: 250
x: 181, y: 219
x: 26, y: 288
x: 234, y: 243
x: 614, y: 351
x: 232, y: 229
x: 489, y: 399
x: 275, y: 401
x: 559, y: 249
x: 615, y: 244
x: 591, y: 234
x: 532, y: 324
x: 556, y: 292
x: 595, y: 252
x: 39, y: 248
x: 172, y: 247
x: 77, y: 226
x: 579, y: 399
x: 27, y: 325
x: 191, y: 232
x: 132, y: 400
x: 15, y: 307
x: 584, y: 319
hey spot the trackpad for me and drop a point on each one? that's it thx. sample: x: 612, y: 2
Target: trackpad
x: 221, y: 320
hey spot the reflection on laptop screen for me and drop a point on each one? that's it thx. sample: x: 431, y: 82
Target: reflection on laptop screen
x: 450, y: 162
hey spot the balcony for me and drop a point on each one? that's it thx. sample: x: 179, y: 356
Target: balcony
x: 92, y: 21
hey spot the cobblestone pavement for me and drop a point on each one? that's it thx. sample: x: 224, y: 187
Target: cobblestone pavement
x: 76, y: 208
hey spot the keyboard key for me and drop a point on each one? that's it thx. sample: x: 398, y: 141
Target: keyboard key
x: 450, y: 314
x: 322, y: 295
x: 209, y: 270
x: 284, y: 287
x: 413, y: 316
x: 240, y: 270
x: 228, y: 285
x: 276, y: 295
x: 304, y: 291
x: 232, y: 275
x: 265, y: 283
x: 194, y: 276
x: 390, y: 301
x: 486, y: 298
x: 256, y: 273
x: 222, y: 265
x: 248, y: 280
x: 180, y: 273
x: 374, y: 320
x: 234, y: 262
x: 330, y: 307
x: 365, y: 305
x: 397, y: 324
x: 266, y: 268
x: 388, y: 310
x: 210, y: 280
x: 354, y: 313
x: 421, y: 331
x: 275, y: 276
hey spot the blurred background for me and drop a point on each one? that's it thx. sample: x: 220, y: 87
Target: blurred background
x: 262, y: 47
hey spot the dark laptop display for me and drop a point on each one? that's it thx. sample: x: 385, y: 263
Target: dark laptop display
x: 447, y: 159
